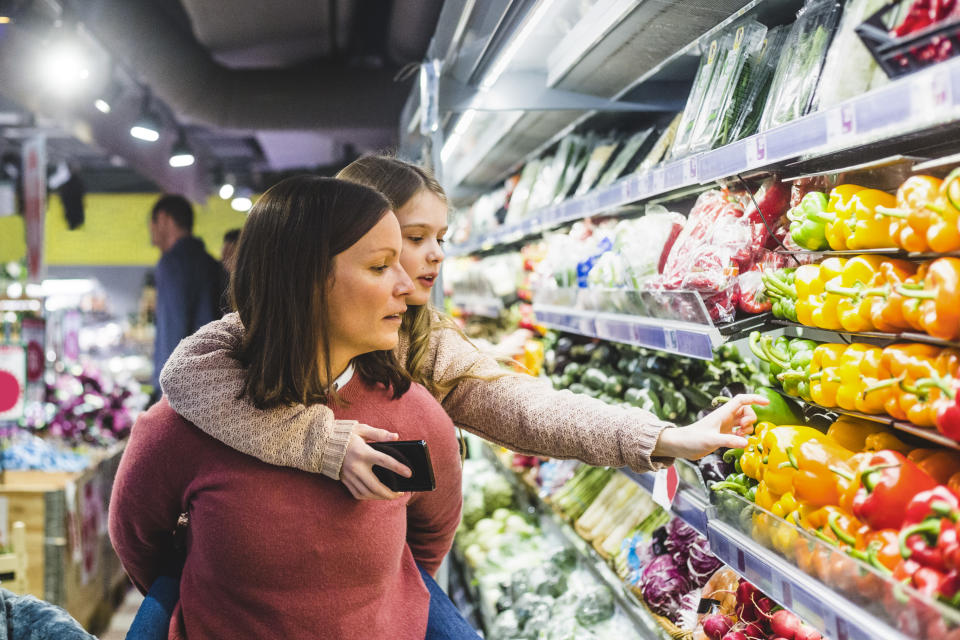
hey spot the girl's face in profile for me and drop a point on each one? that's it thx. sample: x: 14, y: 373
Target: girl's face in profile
x: 368, y: 294
x: 423, y: 222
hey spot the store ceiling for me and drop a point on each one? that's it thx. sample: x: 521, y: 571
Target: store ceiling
x: 260, y: 88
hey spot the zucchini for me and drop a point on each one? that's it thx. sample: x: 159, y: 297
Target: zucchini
x: 574, y: 369
x: 594, y: 378
x: 696, y: 397
x: 577, y: 387
x: 605, y: 397
x: 644, y: 399
x: 647, y: 380
x: 566, y: 380
x: 672, y: 404
x: 614, y: 386
x: 603, y: 355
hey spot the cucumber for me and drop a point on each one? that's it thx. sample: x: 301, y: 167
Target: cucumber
x: 643, y: 398
x: 647, y: 380
x: 672, y: 404
x: 614, y: 386
x: 594, y: 378
x: 577, y: 387
x: 574, y: 369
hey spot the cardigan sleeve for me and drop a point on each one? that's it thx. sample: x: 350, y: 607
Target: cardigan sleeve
x: 204, y: 384
x: 526, y: 415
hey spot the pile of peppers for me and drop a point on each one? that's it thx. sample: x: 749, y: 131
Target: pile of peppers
x: 911, y: 382
x: 863, y: 492
x: 924, y: 215
x: 871, y: 293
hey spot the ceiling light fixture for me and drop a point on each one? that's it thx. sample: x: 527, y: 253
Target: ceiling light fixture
x: 102, y: 105
x: 180, y: 153
x: 505, y: 57
x: 227, y: 182
x: 146, y: 126
x: 241, y: 204
x: 462, y: 124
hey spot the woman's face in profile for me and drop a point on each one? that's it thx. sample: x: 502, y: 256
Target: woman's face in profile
x: 368, y: 293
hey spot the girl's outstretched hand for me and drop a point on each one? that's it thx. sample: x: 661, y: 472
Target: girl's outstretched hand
x: 356, y: 473
x: 725, y: 427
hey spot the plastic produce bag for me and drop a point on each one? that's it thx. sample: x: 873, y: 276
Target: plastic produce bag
x: 759, y: 71
x: 849, y: 69
x: 660, y: 147
x: 701, y: 84
x: 796, y: 77
x: 599, y: 158
x: 521, y: 193
x: 625, y: 157
x: 729, y: 84
x: 576, y: 162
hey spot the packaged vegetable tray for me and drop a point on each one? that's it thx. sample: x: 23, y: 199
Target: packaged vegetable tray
x: 907, y: 36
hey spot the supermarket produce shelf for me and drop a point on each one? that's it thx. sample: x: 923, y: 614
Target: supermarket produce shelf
x: 820, y: 606
x: 555, y: 525
x: 487, y: 307
x: 673, y: 336
x: 873, y: 337
x: 906, y: 106
x: 687, y: 505
x: 930, y: 434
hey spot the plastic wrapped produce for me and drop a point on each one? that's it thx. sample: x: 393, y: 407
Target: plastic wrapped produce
x: 701, y: 83
x: 625, y: 157
x: 729, y: 85
x: 759, y: 72
x: 579, y: 154
x: 796, y: 77
x: 599, y: 158
x: 660, y: 147
x: 521, y: 193
x: 849, y: 69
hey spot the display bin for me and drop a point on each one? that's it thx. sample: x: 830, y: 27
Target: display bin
x: 70, y: 561
x: 837, y: 590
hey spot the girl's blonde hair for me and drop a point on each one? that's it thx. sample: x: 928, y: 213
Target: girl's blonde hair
x: 399, y: 181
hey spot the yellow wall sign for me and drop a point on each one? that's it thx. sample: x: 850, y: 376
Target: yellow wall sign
x: 115, y: 232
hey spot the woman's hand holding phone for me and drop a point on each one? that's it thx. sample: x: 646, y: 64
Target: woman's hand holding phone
x: 357, y: 474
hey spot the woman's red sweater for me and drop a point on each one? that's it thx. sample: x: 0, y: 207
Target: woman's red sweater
x: 273, y: 552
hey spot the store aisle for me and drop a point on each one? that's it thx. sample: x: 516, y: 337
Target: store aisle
x: 123, y: 618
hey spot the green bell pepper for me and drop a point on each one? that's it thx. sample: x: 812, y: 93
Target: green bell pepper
x: 807, y: 222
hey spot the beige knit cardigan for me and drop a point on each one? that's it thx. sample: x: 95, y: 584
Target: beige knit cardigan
x: 522, y: 413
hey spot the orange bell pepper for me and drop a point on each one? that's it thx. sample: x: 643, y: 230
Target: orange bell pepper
x: 940, y: 464
x: 886, y: 312
x: 940, y: 306
x: 876, y: 385
x: 911, y: 217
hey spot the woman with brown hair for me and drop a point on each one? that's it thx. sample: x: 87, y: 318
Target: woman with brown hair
x: 274, y: 552
x: 520, y: 412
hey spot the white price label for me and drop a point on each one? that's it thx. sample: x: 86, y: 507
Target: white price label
x: 840, y: 122
x: 690, y: 170
x: 659, y: 180
x: 756, y: 149
x: 665, y: 485
x: 930, y: 97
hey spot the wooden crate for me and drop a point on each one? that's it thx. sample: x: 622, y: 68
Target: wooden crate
x: 71, y: 562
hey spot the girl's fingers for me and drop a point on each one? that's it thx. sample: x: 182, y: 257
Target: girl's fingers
x: 373, y: 434
x: 389, y: 462
x: 732, y: 441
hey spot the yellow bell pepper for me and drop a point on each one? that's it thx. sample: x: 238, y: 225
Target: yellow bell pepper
x: 751, y: 462
x: 826, y: 314
x: 840, y: 206
x: 859, y: 283
x: 824, y: 381
x: 851, y: 383
x: 763, y: 497
x: 784, y: 506
x: 852, y: 433
x: 807, y: 280
x: 886, y: 440
x: 871, y: 229
x: 805, y: 307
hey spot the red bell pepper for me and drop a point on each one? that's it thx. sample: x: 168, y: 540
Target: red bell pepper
x: 887, y: 485
x: 918, y: 542
x: 938, y: 501
x: 947, y: 408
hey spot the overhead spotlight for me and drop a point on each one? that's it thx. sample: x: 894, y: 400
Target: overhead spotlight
x: 64, y: 68
x: 108, y: 98
x: 180, y: 154
x: 241, y: 204
x: 102, y: 105
x: 146, y: 126
x: 227, y: 188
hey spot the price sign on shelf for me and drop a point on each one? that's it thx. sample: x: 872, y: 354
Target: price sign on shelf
x: 930, y: 95
x: 665, y: 485
x: 690, y: 170
x: 659, y: 180
x: 841, y: 123
x: 756, y: 150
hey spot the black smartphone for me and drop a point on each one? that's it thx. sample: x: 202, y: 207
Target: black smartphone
x: 415, y: 454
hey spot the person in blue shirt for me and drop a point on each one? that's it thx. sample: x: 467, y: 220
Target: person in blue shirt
x: 190, y: 282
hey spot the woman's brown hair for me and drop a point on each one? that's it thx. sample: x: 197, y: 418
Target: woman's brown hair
x: 400, y: 181
x: 284, y: 262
